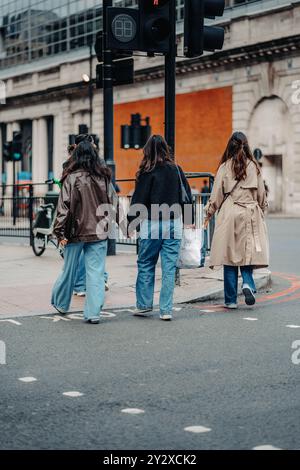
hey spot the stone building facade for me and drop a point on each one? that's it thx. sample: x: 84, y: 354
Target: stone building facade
x: 251, y: 85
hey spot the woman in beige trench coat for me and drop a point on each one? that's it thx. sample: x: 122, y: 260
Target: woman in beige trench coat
x: 240, y: 239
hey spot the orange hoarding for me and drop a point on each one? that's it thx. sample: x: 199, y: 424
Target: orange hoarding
x: 203, y: 127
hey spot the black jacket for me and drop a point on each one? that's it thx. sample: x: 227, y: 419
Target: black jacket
x: 161, y: 186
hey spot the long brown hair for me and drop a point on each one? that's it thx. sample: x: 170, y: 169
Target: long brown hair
x: 239, y: 152
x: 156, y: 152
x: 85, y: 157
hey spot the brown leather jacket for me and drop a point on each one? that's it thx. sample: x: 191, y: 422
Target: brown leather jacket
x: 80, y: 197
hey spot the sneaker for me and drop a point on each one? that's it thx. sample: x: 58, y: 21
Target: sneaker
x: 249, y: 295
x: 166, y: 316
x: 79, y: 294
x: 231, y: 306
x: 93, y: 321
x: 60, y: 310
x: 140, y: 312
x: 106, y: 286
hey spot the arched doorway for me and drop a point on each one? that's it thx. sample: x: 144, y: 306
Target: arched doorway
x: 271, y: 130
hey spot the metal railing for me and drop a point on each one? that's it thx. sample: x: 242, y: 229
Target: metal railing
x: 19, y: 205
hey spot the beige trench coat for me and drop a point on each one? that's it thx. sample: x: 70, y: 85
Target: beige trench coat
x: 240, y: 237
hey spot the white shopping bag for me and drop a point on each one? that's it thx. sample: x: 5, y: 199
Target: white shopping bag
x: 190, y: 250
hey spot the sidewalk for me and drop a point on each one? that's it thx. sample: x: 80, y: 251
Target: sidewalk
x: 26, y: 282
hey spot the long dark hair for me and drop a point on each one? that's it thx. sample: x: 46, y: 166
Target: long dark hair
x: 85, y: 157
x: 239, y: 152
x: 156, y: 152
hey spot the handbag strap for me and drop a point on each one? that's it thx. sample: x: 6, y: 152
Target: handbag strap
x: 228, y: 194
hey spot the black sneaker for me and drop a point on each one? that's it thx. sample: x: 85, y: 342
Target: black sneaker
x: 249, y: 295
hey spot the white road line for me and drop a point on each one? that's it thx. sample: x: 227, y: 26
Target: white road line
x: 293, y: 326
x: 27, y: 379
x: 250, y: 319
x: 266, y: 447
x: 55, y: 318
x: 73, y: 394
x: 107, y: 314
x: 75, y: 316
x: 197, y: 429
x: 207, y: 311
x: 14, y: 322
x: 133, y: 411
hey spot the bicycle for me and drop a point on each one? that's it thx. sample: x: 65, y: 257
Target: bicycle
x: 42, y: 230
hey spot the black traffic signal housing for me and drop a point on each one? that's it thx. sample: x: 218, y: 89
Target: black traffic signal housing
x: 135, y: 135
x: 7, y: 151
x: 146, y: 29
x: 198, y: 37
x: 123, y: 73
x: 155, y: 25
x: 17, y: 147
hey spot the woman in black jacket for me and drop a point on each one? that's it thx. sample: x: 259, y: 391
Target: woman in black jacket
x: 158, y: 203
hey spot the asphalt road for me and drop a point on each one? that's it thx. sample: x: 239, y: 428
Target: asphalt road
x: 230, y: 374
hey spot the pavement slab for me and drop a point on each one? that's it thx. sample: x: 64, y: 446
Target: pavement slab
x: 27, y: 280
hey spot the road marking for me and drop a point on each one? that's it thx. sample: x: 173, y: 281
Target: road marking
x: 107, y: 315
x: 55, y: 318
x: 75, y: 316
x: 73, y: 394
x: 250, y: 319
x: 266, y: 447
x: 133, y: 411
x: 197, y: 429
x: 207, y: 311
x: 14, y: 322
x: 27, y: 379
x: 293, y: 326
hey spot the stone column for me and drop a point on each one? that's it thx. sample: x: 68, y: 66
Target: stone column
x: 39, y: 152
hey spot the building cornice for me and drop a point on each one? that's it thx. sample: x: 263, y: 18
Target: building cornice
x: 227, y: 59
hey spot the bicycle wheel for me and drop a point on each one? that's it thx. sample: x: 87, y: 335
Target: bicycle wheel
x: 39, y: 244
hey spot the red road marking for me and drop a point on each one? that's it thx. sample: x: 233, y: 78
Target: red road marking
x: 277, y: 297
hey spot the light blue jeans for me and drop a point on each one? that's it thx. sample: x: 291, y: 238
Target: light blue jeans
x: 158, y: 238
x: 231, y: 281
x: 94, y: 254
x: 80, y: 284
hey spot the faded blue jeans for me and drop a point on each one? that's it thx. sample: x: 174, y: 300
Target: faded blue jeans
x: 94, y: 259
x: 158, y: 238
x: 231, y: 281
x: 80, y: 276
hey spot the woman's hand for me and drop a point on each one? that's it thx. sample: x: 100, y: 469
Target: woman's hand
x: 193, y: 226
x: 63, y: 243
x: 205, y: 224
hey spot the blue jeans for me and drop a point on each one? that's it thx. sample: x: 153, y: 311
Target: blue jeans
x: 80, y: 276
x: 204, y: 247
x: 94, y: 254
x: 158, y: 238
x: 231, y: 281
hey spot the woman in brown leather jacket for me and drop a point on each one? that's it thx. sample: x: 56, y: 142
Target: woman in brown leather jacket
x: 80, y: 227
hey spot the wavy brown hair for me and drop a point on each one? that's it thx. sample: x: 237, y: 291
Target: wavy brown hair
x: 85, y: 157
x: 239, y: 152
x: 156, y: 152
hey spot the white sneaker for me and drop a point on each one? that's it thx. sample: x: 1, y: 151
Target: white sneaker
x: 79, y: 294
x: 106, y: 286
x: 249, y: 295
x: 166, y: 316
x: 140, y: 312
x: 231, y: 306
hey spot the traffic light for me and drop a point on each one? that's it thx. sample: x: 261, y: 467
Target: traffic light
x: 135, y: 136
x: 117, y: 54
x: 147, y: 28
x: 17, y: 147
x: 155, y: 25
x: 7, y: 151
x: 123, y: 73
x: 198, y: 37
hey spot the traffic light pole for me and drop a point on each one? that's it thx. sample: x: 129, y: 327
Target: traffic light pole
x: 108, y: 111
x: 170, y: 82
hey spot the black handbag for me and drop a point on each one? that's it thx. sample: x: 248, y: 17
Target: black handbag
x: 184, y: 197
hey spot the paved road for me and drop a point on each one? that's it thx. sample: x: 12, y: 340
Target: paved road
x: 230, y: 374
